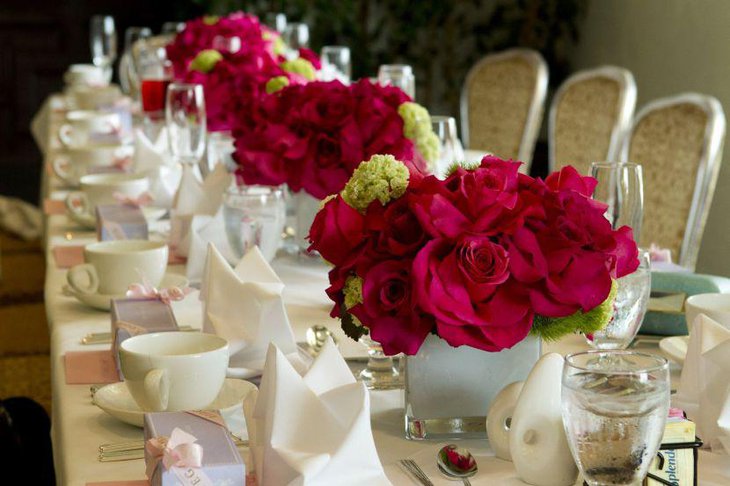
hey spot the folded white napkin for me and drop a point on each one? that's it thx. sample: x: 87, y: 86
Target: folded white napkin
x: 244, y: 306
x: 205, y: 230
x: 704, y: 389
x: 193, y: 198
x: 313, y: 429
x: 152, y: 158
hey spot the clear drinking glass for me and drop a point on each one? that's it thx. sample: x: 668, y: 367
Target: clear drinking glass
x: 450, y: 148
x: 172, y: 28
x: 400, y: 76
x: 155, y: 74
x: 621, y: 187
x: 276, y: 21
x: 296, y: 36
x: 629, y: 307
x: 103, y: 41
x: 254, y: 215
x: 336, y: 64
x: 185, y: 122
x: 381, y: 372
x: 615, y: 405
x: 128, y: 76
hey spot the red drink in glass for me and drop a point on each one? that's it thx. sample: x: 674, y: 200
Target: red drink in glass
x: 154, y: 92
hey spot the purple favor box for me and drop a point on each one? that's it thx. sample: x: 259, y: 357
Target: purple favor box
x: 120, y: 222
x: 131, y: 317
x: 222, y: 462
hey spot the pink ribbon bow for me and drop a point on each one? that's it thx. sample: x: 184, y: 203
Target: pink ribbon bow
x: 659, y: 254
x: 142, y: 200
x: 123, y: 163
x: 179, y: 450
x: 146, y: 291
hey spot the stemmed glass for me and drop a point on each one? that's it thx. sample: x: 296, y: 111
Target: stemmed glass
x: 128, y: 76
x: 336, y: 64
x: 185, y: 122
x: 450, y: 148
x: 276, y: 21
x: 381, y: 373
x: 172, y: 28
x: 103, y: 41
x: 621, y: 187
x: 400, y: 76
x: 296, y: 36
x: 615, y: 405
x: 155, y: 74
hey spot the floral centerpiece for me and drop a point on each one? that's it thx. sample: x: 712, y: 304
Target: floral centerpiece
x: 234, y: 57
x: 482, y: 258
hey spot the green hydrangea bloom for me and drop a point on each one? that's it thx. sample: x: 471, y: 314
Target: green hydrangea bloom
x: 300, y: 66
x: 553, y: 328
x: 210, y: 19
x: 205, y: 61
x: 417, y: 127
x: 279, y: 46
x: 276, y: 83
x: 352, y: 291
x: 463, y: 164
x: 382, y: 177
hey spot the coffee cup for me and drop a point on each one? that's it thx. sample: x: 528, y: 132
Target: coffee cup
x: 85, y: 75
x: 76, y: 161
x: 174, y: 371
x: 96, y: 97
x: 714, y: 306
x: 112, y: 266
x: 104, y: 189
x: 84, y: 127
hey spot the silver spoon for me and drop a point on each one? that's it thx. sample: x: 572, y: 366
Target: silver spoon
x: 456, y: 463
x: 316, y: 338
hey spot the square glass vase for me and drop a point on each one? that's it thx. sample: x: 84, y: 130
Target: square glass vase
x: 448, y: 390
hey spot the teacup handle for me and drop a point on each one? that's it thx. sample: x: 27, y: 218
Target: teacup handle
x: 77, y: 203
x: 60, y: 168
x: 75, y: 275
x: 64, y: 134
x: 157, y: 389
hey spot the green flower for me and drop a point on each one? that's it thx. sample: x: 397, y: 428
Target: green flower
x: 352, y: 291
x: 276, y: 83
x: 417, y: 127
x: 382, y: 177
x: 464, y: 165
x: 279, y: 46
x: 210, y: 19
x: 300, y: 66
x: 553, y: 328
x: 205, y: 61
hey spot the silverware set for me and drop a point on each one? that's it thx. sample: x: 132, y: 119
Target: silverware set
x: 415, y: 470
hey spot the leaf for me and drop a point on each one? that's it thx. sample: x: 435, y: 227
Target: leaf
x: 351, y: 326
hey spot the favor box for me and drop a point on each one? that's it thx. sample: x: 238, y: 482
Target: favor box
x: 221, y: 462
x: 120, y: 222
x: 131, y: 317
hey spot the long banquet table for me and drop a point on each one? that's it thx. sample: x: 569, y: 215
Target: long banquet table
x: 79, y: 427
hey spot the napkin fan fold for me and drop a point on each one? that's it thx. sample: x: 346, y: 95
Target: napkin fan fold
x: 152, y: 159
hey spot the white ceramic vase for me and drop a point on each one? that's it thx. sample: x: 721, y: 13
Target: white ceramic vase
x: 537, y: 442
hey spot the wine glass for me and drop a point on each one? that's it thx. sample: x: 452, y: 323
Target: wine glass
x: 155, y: 74
x: 621, y: 187
x: 381, y: 372
x: 219, y: 151
x: 128, y: 76
x: 276, y: 21
x: 295, y: 36
x: 185, y: 122
x: 173, y: 28
x: 615, y: 405
x: 103, y: 41
x: 398, y: 75
x: 336, y: 64
x: 450, y: 149
x: 254, y: 215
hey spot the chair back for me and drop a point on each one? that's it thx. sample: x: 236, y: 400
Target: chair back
x: 678, y: 141
x: 589, y: 116
x: 502, y: 104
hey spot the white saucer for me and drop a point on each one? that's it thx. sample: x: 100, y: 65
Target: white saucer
x: 116, y: 400
x: 675, y: 348
x: 103, y: 302
x: 151, y: 214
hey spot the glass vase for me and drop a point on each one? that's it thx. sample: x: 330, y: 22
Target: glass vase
x: 449, y: 390
x: 306, y: 208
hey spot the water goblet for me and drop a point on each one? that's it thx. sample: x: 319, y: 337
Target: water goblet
x: 615, y: 405
x: 295, y: 36
x: 103, y: 41
x: 276, y: 21
x: 621, y: 187
x: 336, y: 64
x: 400, y: 76
x: 128, y: 76
x: 450, y: 148
x: 185, y: 122
x: 155, y: 74
x: 254, y: 215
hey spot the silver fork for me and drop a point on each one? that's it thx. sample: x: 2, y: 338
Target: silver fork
x: 412, y: 467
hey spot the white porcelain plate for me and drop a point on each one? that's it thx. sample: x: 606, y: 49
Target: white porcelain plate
x: 116, y: 400
x: 675, y: 348
x: 103, y: 302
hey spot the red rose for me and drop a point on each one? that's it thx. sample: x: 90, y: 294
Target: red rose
x: 336, y: 231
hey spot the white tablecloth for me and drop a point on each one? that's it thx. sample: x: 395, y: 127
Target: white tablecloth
x: 79, y: 427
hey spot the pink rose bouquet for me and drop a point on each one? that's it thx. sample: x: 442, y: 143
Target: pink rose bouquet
x: 313, y: 136
x: 234, y: 58
x: 481, y: 258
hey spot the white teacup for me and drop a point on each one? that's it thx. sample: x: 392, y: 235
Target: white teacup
x: 101, y: 189
x: 714, y: 306
x: 85, y: 127
x: 85, y: 75
x: 173, y: 371
x: 76, y: 161
x: 112, y: 266
x: 96, y: 97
